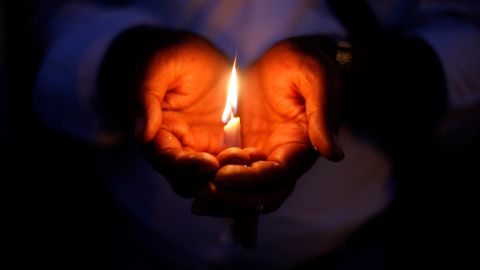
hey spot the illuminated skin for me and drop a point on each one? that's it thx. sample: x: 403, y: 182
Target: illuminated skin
x: 287, y: 107
x: 286, y: 110
x: 182, y: 97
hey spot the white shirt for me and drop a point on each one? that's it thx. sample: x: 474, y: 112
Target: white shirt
x: 330, y: 200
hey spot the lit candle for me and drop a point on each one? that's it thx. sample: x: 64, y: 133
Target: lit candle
x: 244, y: 228
x: 231, y: 131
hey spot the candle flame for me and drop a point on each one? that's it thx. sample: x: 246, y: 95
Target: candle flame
x: 231, y: 105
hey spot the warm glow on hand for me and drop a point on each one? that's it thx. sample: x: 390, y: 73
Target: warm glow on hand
x: 182, y: 98
x: 287, y: 110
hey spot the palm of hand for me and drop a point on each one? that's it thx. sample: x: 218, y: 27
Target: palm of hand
x: 283, y: 113
x: 183, y: 96
x: 293, y: 99
x: 273, y: 111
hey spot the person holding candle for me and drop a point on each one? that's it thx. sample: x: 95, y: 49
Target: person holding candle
x: 168, y: 87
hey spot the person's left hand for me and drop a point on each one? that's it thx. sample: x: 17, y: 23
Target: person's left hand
x: 289, y: 108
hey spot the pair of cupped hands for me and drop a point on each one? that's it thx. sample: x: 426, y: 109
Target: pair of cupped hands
x: 288, y: 106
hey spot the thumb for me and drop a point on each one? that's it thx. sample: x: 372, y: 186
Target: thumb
x: 322, y: 134
x: 150, y: 120
x: 159, y: 76
x: 323, y: 139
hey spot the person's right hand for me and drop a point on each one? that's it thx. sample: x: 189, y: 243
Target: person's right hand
x: 181, y: 99
x: 290, y: 106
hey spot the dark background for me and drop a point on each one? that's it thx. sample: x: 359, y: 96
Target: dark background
x: 59, y: 211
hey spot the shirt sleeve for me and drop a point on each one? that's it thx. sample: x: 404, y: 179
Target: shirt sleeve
x: 65, y: 93
x: 456, y: 44
x: 456, y: 41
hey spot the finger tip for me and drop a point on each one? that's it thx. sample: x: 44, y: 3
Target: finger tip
x: 329, y: 147
x: 199, y: 162
x: 233, y: 156
x: 147, y: 134
x: 337, y: 155
x: 210, y: 164
x: 333, y: 153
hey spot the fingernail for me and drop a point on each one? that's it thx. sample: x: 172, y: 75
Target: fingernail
x: 139, y: 127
